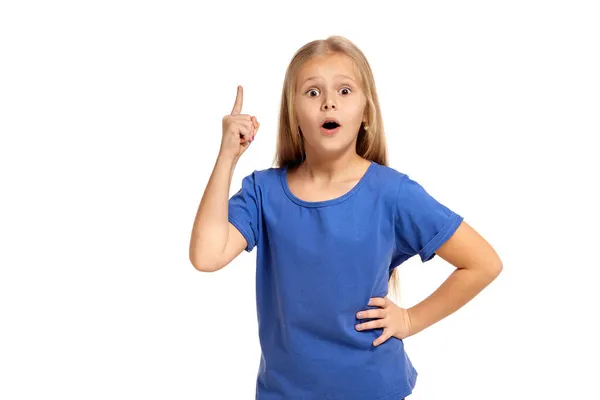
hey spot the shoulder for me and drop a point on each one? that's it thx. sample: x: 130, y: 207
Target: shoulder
x: 388, y: 174
x: 402, y: 186
x: 263, y: 179
x: 267, y: 175
x: 388, y: 180
x: 403, y: 192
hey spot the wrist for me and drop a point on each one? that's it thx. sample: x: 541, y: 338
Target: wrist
x: 413, y: 321
x: 227, y: 159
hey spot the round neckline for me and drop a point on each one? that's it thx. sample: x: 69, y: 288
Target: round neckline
x: 322, y: 203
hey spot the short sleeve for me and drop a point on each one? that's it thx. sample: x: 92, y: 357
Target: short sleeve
x: 243, y: 211
x: 422, y: 223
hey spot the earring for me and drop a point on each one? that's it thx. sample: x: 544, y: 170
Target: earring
x: 366, y: 127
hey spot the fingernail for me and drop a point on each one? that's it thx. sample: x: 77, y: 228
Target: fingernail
x: 360, y: 315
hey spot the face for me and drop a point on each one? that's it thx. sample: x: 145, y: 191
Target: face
x: 327, y: 87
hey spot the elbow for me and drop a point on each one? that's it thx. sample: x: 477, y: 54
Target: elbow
x: 494, y: 270
x: 499, y: 269
x: 492, y: 267
x: 497, y: 266
x: 486, y: 271
x: 202, y: 265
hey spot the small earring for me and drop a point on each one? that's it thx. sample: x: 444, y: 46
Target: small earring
x: 366, y: 127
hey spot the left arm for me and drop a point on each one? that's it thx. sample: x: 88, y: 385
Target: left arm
x: 477, y: 265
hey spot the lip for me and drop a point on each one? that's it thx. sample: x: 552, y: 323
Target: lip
x: 330, y: 120
x: 329, y: 132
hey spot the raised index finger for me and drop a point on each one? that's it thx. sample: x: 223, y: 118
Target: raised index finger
x: 237, y: 107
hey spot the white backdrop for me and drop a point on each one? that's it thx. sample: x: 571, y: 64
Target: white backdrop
x: 110, y: 122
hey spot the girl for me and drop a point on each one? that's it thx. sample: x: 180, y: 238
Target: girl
x: 331, y: 223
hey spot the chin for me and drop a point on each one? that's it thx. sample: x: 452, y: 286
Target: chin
x: 330, y: 145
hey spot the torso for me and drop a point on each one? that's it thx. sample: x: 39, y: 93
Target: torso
x: 318, y: 263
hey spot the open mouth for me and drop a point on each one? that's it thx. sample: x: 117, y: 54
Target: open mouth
x: 330, y: 125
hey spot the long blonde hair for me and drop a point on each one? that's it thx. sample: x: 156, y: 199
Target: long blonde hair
x: 370, y: 144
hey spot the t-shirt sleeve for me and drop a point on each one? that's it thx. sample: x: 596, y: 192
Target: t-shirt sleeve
x: 244, y: 210
x: 422, y: 223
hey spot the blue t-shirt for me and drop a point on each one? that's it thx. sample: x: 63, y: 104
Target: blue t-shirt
x: 317, y: 265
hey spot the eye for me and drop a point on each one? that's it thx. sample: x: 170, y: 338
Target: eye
x: 315, y: 90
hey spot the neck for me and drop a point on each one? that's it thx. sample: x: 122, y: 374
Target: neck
x: 330, y: 169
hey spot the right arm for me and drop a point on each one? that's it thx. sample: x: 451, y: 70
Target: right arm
x: 215, y: 241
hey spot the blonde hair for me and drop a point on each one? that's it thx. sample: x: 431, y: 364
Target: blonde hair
x: 370, y: 144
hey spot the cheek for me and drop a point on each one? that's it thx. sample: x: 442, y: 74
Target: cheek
x: 302, y: 112
x: 307, y: 119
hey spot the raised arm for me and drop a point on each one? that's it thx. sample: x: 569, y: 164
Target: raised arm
x: 215, y: 242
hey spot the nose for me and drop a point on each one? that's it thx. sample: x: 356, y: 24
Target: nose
x: 328, y: 105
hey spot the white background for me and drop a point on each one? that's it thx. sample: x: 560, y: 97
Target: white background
x: 110, y: 122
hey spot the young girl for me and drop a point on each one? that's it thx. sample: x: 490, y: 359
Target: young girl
x: 331, y: 223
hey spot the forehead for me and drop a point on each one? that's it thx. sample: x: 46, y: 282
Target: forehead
x: 329, y: 67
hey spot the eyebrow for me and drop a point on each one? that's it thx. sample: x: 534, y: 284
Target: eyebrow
x: 318, y: 77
